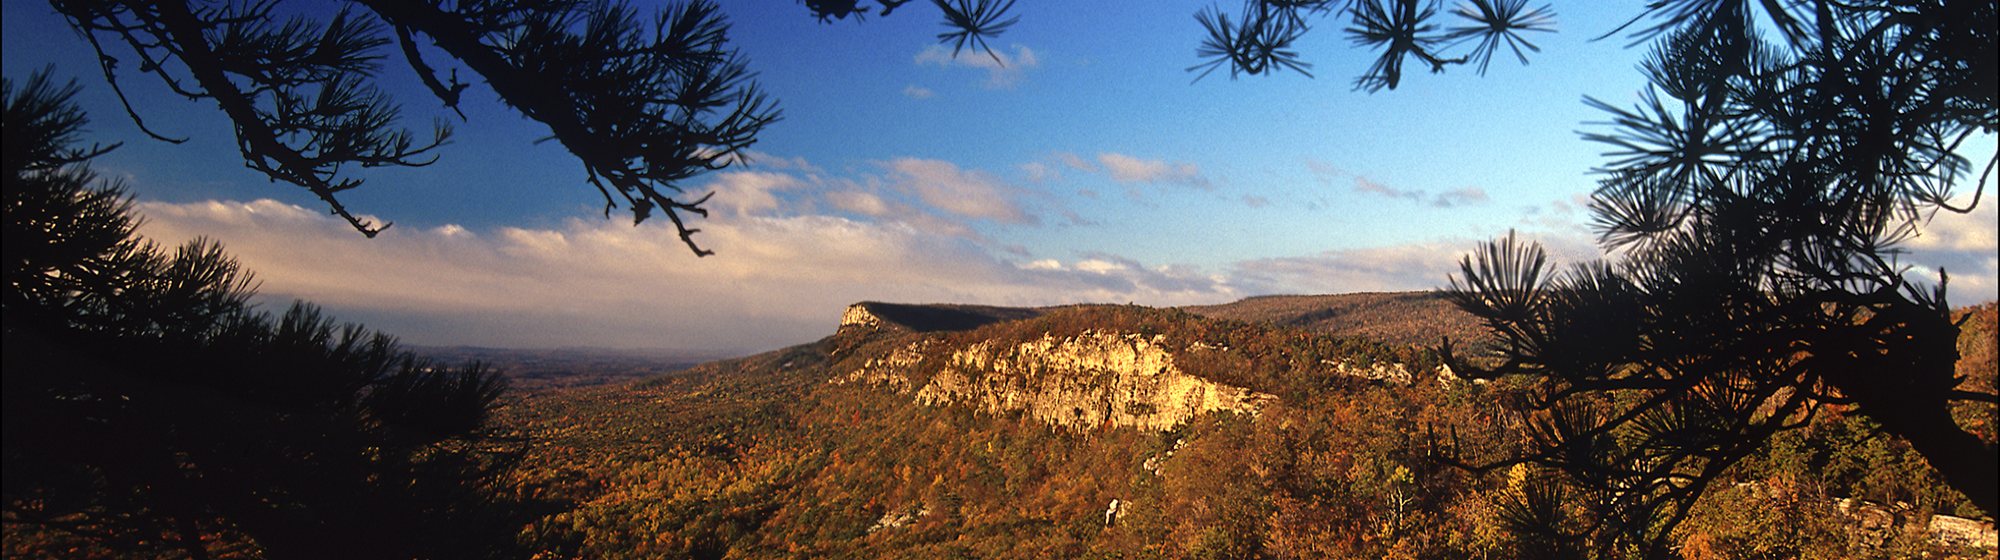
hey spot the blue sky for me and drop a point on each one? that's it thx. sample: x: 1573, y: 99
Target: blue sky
x: 1087, y: 169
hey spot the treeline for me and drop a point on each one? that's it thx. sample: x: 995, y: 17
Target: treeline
x: 1402, y: 318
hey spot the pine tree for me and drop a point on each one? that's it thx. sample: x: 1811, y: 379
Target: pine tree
x: 1753, y: 206
x: 148, y: 406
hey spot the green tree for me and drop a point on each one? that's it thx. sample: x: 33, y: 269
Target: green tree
x: 148, y: 407
x: 1753, y: 205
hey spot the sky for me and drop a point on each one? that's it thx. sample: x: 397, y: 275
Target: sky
x: 1086, y: 165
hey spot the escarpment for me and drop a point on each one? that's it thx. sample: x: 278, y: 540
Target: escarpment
x: 1073, y: 431
x: 1092, y: 379
x: 1083, y: 367
x: 1079, y: 383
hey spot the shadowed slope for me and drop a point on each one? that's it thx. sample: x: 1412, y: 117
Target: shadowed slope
x: 1418, y: 318
x: 940, y: 317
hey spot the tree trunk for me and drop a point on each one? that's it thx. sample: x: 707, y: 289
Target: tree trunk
x: 1967, y: 464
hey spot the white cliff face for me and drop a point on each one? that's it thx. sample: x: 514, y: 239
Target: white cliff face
x: 892, y: 370
x: 1388, y: 372
x: 857, y: 316
x: 1081, y: 382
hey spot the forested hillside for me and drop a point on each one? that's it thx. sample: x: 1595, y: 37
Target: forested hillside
x: 1417, y: 318
x: 841, y: 448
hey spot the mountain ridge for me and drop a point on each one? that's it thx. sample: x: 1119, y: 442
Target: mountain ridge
x: 1055, y: 432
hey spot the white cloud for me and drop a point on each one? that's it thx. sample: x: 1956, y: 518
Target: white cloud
x: 1003, y: 69
x: 866, y: 204
x: 1952, y: 231
x: 971, y: 194
x: 753, y: 159
x: 1100, y: 266
x: 1417, y: 266
x: 746, y: 193
x: 1963, y: 245
x: 1076, y: 162
x: 1039, y: 172
x: 451, y: 230
x: 783, y: 270
x: 1128, y: 169
x: 914, y: 91
x: 775, y: 279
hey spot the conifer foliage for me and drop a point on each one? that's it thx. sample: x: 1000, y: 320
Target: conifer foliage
x: 644, y: 101
x: 149, y: 408
x: 1753, y: 204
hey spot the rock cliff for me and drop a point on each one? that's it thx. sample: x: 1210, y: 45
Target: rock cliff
x: 1080, y: 382
x: 1096, y: 378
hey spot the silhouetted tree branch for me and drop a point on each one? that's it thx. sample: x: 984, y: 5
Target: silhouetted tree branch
x: 145, y: 397
x: 646, y: 103
x: 1260, y: 41
x: 1753, y: 202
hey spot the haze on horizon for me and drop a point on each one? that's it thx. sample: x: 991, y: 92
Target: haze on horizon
x: 1080, y: 167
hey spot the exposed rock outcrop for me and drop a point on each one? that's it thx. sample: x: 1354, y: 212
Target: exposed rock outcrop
x: 1099, y: 377
x: 897, y: 519
x: 1964, y: 533
x: 1081, y: 382
x: 858, y: 317
x: 1387, y: 372
x: 892, y: 370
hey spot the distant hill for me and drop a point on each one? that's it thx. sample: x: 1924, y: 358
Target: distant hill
x: 1418, y: 318
x: 956, y: 431
x: 532, y: 369
x: 1274, y: 427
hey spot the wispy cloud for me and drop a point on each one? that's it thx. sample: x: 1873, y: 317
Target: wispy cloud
x: 1558, y: 215
x: 1448, y: 199
x: 1076, y: 162
x: 1963, y: 245
x: 774, y: 279
x: 785, y: 266
x: 1040, y: 172
x: 1003, y: 69
x: 753, y: 159
x: 1416, y: 266
x: 752, y: 192
x: 914, y: 91
x: 859, y: 202
x: 1325, y: 172
x: 971, y: 194
x: 1366, y: 186
x: 935, y: 196
x: 1460, y: 197
x: 1124, y: 169
x: 1129, y: 169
